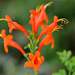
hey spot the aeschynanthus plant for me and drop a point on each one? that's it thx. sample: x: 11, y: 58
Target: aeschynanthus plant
x: 37, y: 19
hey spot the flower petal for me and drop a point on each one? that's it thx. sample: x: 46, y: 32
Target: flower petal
x: 14, y: 44
x: 44, y: 13
x: 5, y: 47
x: 40, y: 46
x: 32, y: 22
x: 9, y: 42
x: 52, y: 40
x: 29, y: 64
x: 15, y: 25
x: 33, y: 12
x: 42, y: 59
x: 41, y: 17
x: 10, y: 36
x: 3, y: 32
x: 8, y: 18
x: 36, y: 67
x: 11, y: 29
x: 45, y: 31
x: 31, y: 56
x: 55, y: 19
x: 37, y: 54
x: 42, y: 25
x: 47, y: 39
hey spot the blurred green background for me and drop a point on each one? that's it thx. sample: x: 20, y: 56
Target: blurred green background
x: 12, y: 63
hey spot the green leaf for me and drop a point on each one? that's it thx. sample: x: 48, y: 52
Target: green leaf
x: 67, y: 63
x: 69, y: 53
x: 73, y: 69
x: 26, y: 47
x: 73, y: 73
x: 63, y: 59
x: 65, y: 55
x: 30, y: 31
x: 27, y: 53
x: 62, y: 72
x: 62, y: 55
x: 59, y: 53
x: 56, y: 74
x: 73, y: 60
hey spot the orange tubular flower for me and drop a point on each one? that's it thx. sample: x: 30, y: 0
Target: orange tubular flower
x: 49, y: 29
x: 14, y: 25
x: 46, y: 40
x: 9, y: 42
x: 37, y: 18
x: 35, y: 61
x: 32, y: 21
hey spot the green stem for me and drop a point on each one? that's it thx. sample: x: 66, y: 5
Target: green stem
x: 31, y: 42
x: 35, y: 73
x: 33, y: 46
x: 27, y: 57
x: 30, y: 48
x: 70, y: 71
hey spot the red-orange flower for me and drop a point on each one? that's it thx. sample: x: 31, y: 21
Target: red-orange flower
x: 9, y: 42
x: 48, y: 30
x: 14, y: 25
x: 36, y: 60
x: 46, y: 40
x: 37, y: 18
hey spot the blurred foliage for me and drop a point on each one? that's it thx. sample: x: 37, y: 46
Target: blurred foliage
x: 61, y: 72
x: 69, y: 62
x: 18, y: 10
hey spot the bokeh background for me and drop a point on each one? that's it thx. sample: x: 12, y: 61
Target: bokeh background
x: 12, y: 63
